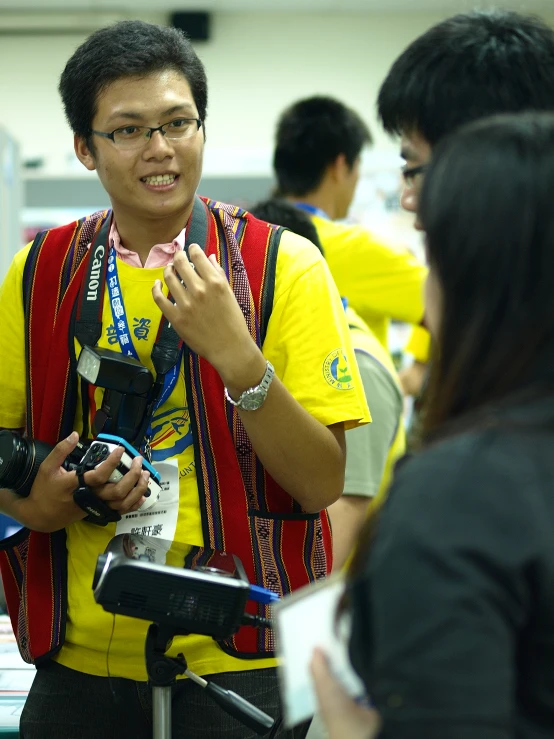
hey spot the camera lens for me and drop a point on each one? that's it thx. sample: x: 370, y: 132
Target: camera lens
x: 20, y: 459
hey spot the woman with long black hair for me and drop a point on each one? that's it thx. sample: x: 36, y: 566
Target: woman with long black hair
x: 451, y: 589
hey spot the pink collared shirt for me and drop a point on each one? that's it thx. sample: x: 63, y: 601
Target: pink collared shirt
x: 160, y: 255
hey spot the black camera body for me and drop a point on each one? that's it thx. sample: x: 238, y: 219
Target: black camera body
x: 125, y: 410
x: 20, y: 458
x: 101, y: 448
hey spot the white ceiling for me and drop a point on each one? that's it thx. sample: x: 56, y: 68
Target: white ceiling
x: 133, y: 7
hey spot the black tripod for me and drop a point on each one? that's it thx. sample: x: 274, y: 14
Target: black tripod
x: 162, y: 673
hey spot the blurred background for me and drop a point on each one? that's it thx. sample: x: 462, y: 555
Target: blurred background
x: 260, y: 56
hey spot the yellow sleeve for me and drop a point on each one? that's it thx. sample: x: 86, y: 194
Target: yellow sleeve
x: 377, y: 278
x: 308, y: 341
x: 419, y: 344
x: 12, y: 345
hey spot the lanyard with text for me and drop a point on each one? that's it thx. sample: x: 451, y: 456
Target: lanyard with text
x: 125, y: 339
x: 168, y: 346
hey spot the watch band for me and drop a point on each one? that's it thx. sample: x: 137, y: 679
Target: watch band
x: 259, y: 392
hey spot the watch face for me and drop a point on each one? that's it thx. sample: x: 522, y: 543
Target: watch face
x: 252, y: 401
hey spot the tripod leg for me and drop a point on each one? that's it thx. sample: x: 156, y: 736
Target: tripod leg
x: 161, y: 711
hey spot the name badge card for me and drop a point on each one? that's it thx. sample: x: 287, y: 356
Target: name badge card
x: 161, y: 519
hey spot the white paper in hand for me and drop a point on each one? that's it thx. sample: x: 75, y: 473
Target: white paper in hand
x: 303, y: 621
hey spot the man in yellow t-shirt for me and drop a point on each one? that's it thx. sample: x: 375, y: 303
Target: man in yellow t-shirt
x: 318, y: 146
x: 138, y: 121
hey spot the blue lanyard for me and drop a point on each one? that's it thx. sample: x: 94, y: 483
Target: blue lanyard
x: 313, y: 210
x: 124, y: 337
x: 118, y: 309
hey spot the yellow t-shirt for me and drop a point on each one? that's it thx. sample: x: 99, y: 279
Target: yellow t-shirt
x: 381, y: 281
x: 419, y: 344
x: 307, y: 342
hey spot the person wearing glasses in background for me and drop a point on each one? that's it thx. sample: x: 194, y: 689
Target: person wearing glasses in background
x: 252, y: 422
x: 464, y: 68
x: 459, y: 647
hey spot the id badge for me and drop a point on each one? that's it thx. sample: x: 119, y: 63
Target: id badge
x: 161, y: 519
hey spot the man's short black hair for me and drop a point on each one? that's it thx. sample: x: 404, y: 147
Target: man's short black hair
x: 126, y: 49
x: 282, y: 213
x: 468, y: 67
x: 311, y: 134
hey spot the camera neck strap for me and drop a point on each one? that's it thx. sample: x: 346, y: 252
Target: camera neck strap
x: 168, y: 346
x: 88, y: 324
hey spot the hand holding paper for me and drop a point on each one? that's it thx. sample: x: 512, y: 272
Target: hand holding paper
x: 305, y: 621
x: 342, y: 715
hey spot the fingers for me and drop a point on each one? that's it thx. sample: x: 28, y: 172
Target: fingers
x: 183, y: 279
x: 341, y: 714
x: 202, y: 265
x: 126, y: 495
x: 216, y: 264
x: 164, y: 304
x: 194, y: 270
x: 118, y: 491
x: 326, y: 686
x: 137, y: 505
x: 101, y: 474
x: 186, y: 277
x: 59, y: 453
x: 135, y: 497
x: 179, y: 290
x: 186, y: 269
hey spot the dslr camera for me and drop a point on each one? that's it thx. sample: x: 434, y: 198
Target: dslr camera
x: 121, y: 420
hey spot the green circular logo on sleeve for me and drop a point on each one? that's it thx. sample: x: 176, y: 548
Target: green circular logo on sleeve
x: 336, y: 370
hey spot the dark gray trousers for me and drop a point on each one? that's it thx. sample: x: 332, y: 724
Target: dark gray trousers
x: 65, y: 704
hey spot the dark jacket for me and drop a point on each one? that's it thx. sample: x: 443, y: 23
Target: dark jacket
x: 453, y: 613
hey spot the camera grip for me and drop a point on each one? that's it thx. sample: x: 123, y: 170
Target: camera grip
x: 99, y: 512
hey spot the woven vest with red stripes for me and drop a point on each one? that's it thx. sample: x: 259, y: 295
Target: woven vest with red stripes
x: 244, y: 511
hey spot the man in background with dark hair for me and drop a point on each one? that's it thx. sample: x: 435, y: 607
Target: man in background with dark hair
x: 464, y: 68
x: 250, y: 443
x: 318, y: 146
x: 467, y: 67
x: 372, y: 450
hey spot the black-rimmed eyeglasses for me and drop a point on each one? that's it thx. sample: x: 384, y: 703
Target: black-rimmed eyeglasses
x: 133, y: 137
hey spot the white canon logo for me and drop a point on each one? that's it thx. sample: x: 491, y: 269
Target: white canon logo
x: 94, y: 280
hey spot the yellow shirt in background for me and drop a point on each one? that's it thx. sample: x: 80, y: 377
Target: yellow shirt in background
x: 419, y: 344
x: 381, y: 281
x: 309, y: 345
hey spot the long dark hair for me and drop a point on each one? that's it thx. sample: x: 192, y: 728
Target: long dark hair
x: 487, y: 210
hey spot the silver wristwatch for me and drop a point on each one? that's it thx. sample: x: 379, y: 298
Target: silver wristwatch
x: 252, y: 399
